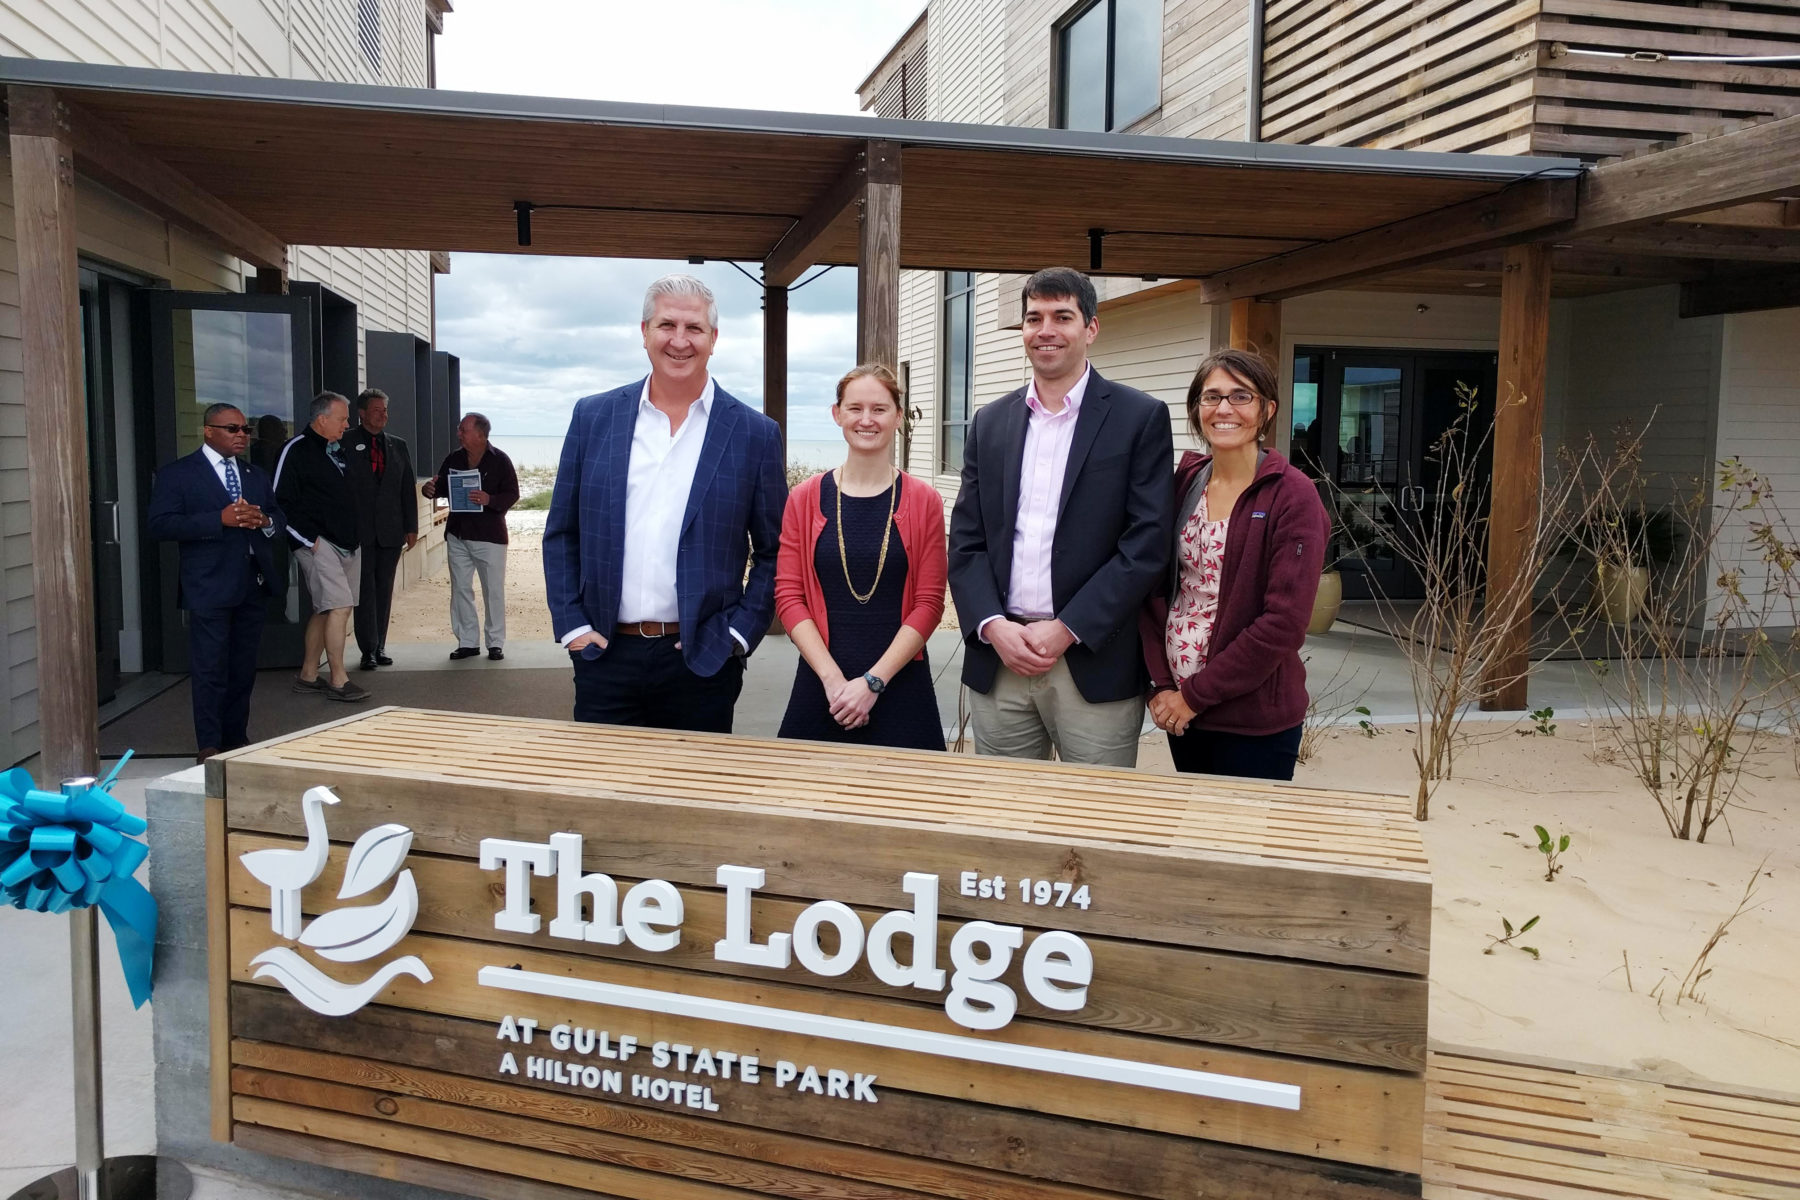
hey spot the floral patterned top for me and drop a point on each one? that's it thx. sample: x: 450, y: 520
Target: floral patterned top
x: 1188, y: 635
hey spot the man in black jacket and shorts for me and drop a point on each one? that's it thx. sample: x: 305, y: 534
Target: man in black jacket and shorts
x: 317, y: 492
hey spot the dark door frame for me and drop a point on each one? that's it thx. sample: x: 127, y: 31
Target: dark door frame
x: 283, y: 638
x: 1422, y: 417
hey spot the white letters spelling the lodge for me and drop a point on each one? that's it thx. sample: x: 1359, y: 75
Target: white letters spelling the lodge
x: 1057, y: 966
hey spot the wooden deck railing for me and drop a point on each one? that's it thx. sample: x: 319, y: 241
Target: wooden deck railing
x: 1586, y: 78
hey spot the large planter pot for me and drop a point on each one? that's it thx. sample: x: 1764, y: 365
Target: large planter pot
x: 1330, y: 598
x: 1619, y: 592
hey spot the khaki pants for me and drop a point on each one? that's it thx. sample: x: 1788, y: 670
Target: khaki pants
x: 1023, y: 717
x: 468, y: 560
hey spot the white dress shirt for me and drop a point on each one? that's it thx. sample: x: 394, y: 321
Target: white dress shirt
x: 656, y: 496
x: 1048, y: 439
x: 218, y: 465
x: 657, y: 486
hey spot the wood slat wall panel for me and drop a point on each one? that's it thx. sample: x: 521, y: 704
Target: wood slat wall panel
x: 1232, y: 928
x: 1374, y: 1018
x: 1129, y: 1161
x: 1444, y: 76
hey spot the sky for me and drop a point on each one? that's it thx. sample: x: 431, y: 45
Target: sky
x: 537, y: 333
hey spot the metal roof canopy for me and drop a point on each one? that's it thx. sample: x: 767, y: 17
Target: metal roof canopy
x: 318, y: 163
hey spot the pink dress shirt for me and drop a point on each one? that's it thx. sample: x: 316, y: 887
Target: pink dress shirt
x: 1048, y: 437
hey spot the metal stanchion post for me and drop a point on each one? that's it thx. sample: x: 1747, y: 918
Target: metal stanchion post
x: 93, y: 1177
x: 84, y: 983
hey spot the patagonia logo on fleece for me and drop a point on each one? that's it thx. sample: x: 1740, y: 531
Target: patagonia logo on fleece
x: 1257, y: 516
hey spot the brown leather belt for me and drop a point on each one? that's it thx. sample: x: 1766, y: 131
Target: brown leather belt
x: 649, y: 629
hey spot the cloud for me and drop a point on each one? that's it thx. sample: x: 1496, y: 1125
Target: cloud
x: 535, y: 334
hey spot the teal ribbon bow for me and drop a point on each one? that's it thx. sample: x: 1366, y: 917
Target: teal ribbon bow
x: 61, y: 852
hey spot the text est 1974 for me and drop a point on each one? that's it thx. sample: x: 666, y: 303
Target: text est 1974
x: 1042, y: 893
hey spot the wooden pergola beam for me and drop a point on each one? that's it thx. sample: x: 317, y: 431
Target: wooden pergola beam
x: 799, y: 247
x: 1759, y: 163
x: 775, y: 357
x: 107, y: 157
x: 1758, y: 214
x: 1518, y: 469
x: 878, y: 259
x: 1256, y: 326
x: 1512, y: 214
x: 1680, y: 239
x: 1740, y: 293
x: 43, y: 197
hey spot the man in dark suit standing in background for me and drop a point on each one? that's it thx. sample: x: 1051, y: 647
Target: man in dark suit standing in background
x: 390, y: 503
x: 1060, y: 530
x: 667, y: 487
x: 221, y: 512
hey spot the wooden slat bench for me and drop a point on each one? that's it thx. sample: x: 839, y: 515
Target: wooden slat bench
x: 1497, y: 1129
x: 1241, y: 931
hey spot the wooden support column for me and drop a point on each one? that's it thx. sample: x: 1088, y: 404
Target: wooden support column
x: 271, y: 281
x: 775, y: 357
x: 1518, y: 463
x: 43, y: 174
x: 878, y: 259
x: 1256, y: 325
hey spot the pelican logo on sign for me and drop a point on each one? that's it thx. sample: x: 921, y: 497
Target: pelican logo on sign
x: 344, y: 934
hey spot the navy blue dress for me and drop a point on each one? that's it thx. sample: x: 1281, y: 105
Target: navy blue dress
x: 906, y: 714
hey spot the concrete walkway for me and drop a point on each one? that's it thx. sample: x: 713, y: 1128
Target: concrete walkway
x: 36, y: 1123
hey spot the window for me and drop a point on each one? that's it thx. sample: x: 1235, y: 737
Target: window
x: 959, y: 368
x: 1110, y: 60
x: 368, y: 31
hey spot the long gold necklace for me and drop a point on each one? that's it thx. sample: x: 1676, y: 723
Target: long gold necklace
x: 886, y: 532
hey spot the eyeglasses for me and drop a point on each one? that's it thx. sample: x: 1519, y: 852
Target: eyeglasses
x: 1238, y: 399
x: 234, y: 428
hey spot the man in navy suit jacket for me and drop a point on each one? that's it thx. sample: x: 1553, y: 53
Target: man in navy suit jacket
x: 1061, y: 528
x: 221, y: 510
x: 667, y: 486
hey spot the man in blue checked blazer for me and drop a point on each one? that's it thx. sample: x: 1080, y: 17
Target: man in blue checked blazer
x: 667, y: 487
x: 221, y: 512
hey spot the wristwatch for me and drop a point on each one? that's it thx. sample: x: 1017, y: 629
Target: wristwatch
x: 876, y: 683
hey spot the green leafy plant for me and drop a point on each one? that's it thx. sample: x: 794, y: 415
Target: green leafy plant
x: 1365, y: 723
x: 1551, y: 850
x: 1510, y: 934
x: 1541, y: 721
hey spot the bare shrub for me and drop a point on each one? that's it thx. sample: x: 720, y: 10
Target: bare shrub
x: 1696, y: 680
x: 1456, y: 640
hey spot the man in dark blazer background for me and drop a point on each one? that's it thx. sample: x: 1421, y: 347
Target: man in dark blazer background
x: 666, y: 487
x: 1060, y: 529
x: 221, y: 512
x: 390, y: 503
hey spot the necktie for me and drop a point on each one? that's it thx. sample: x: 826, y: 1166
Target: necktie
x: 233, y: 488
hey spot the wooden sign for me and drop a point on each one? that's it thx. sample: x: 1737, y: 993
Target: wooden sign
x: 538, y: 959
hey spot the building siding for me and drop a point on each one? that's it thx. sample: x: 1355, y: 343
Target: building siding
x: 304, y: 38
x: 1759, y: 423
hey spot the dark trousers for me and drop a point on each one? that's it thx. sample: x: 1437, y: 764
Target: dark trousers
x: 1204, y: 752
x: 643, y: 681
x: 376, y: 599
x: 222, y: 644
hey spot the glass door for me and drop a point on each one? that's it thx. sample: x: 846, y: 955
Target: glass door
x: 254, y: 352
x: 1367, y: 424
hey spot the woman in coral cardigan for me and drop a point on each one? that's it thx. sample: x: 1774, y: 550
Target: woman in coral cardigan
x: 859, y: 583
x: 1222, y: 639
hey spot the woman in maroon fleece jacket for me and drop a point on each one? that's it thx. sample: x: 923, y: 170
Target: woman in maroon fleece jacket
x: 1222, y: 639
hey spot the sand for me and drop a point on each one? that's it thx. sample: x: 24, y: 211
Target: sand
x: 1627, y: 890
x: 422, y: 611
